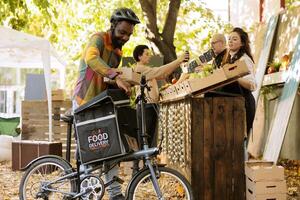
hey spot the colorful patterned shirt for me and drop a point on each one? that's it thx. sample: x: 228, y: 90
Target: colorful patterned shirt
x: 96, y: 62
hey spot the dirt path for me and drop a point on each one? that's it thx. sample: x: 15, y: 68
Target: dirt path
x: 9, y: 180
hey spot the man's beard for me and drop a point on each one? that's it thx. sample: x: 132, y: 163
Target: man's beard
x: 117, y: 43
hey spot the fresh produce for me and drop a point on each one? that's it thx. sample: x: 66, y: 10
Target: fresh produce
x: 273, y: 67
x: 285, y: 60
x: 174, y: 80
x: 206, y: 71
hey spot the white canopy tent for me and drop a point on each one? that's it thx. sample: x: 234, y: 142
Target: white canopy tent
x: 21, y: 50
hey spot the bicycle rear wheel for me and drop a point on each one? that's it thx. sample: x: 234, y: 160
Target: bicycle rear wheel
x: 172, y: 184
x: 35, y: 181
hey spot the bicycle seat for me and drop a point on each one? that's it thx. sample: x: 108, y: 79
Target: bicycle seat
x: 68, y: 116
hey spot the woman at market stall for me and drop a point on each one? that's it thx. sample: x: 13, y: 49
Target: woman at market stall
x: 142, y: 56
x: 239, y: 49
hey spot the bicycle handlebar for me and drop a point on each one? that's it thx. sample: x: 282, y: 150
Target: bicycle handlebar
x: 143, y: 85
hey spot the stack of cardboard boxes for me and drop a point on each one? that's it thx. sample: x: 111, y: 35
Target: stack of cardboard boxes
x: 264, y: 181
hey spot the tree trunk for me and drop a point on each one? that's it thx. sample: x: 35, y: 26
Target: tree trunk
x: 163, y: 40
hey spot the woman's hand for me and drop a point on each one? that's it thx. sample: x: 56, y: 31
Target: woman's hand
x: 123, y: 85
x: 247, y: 84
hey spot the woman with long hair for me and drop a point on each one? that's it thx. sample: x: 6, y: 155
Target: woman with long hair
x: 239, y: 49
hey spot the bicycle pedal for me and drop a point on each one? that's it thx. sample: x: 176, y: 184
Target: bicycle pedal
x: 117, y: 179
x: 82, y: 193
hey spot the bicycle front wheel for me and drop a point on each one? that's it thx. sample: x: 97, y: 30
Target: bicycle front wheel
x: 172, y: 184
x: 42, y: 180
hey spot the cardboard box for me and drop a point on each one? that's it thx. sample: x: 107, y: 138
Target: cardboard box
x: 130, y: 76
x: 169, y: 93
x: 25, y: 151
x: 192, y: 85
x: 265, y: 187
x: 250, y: 196
x: 219, y: 78
x: 263, y: 171
x: 235, y: 70
x: 197, y: 84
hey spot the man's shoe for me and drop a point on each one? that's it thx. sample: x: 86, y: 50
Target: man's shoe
x: 135, y: 168
x: 118, y: 197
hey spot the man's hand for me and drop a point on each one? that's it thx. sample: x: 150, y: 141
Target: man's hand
x: 116, y: 71
x: 123, y: 85
x: 184, y: 57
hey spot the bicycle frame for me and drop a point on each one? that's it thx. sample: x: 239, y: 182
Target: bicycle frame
x: 142, y: 133
x: 145, y: 153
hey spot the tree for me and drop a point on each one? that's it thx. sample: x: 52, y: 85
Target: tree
x: 164, y: 40
x: 191, y: 17
x: 67, y: 24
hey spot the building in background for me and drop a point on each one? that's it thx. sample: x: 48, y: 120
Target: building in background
x: 245, y: 13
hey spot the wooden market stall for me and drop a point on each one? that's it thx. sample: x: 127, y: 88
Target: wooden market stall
x: 203, y: 139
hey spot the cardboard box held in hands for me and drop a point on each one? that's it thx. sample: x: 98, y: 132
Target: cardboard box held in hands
x: 130, y: 76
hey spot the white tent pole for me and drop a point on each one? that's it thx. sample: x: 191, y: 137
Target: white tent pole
x: 62, y: 77
x: 47, y: 73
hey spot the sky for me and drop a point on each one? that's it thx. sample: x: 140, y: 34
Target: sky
x: 219, y: 8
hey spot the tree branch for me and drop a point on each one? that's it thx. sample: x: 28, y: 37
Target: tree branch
x: 149, y: 9
x: 164, y: 42
x: 170, y: 23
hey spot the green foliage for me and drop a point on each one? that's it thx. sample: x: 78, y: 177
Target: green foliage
x: 201, y: 23
x: 270, y: 92
x: 14, y: 13
x: 290, y: 4
x: 68, y: 25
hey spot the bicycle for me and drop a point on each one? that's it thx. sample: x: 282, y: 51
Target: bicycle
x: 52, y: 177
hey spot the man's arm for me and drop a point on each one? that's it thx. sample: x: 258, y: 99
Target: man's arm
x: 162, y: 71
x: 93, y: 59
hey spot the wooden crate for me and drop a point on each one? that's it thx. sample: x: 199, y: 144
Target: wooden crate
x: 264, y: 180
x: 265, y: 187
x: 266, y: 196
x: 58, y: 95
x: 35, y: 122
x: 263, y: 171
x: 203, y: 139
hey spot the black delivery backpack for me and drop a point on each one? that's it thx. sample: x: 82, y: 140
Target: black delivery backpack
x: 106, y: 127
